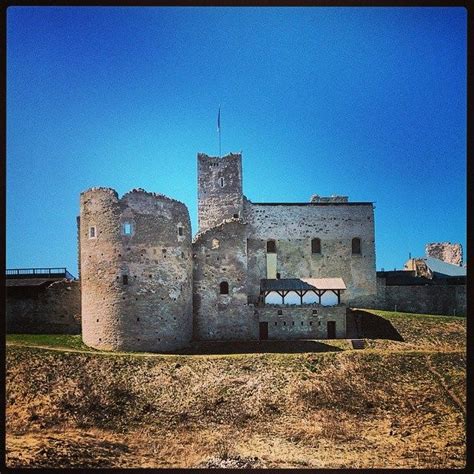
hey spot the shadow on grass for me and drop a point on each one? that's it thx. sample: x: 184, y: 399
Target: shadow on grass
x: 371, y: 326
x: 256, y: 347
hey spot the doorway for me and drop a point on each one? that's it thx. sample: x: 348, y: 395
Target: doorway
x: 263, y: 331
x: 331, y: 329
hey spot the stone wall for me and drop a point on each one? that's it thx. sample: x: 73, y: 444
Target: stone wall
x: 446, y: 251
x: 54, y: 309
x: 294, y: 226
x: 136, y: 271
x: 424, y: 299
x: 219, y: 189
x: 220, y: 256
x: 302, y: 322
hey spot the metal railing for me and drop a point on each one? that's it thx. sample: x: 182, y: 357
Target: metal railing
x: 41, y: 272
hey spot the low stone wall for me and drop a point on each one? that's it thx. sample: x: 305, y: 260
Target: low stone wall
x: 423, y: 299
x: 302, y: 322
x: 55, y: 309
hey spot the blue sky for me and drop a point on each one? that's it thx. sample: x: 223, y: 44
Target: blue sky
x: 364, y: 102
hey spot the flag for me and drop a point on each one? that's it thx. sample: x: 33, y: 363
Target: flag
x: 219, y: 120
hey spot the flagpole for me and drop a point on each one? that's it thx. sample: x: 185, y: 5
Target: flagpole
x: 219, y: 130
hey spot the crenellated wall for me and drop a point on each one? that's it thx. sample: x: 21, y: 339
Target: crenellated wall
x: 136, y: 271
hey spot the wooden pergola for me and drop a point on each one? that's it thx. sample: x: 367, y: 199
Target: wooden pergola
x: 301, y: 286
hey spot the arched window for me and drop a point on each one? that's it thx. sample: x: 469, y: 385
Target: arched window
x: 356, y: 246
x: 224, y: 288
x: 316, y: 246
x: 271, y: 246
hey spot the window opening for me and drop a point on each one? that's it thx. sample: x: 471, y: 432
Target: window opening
x: 316, y: 246
x: 224, y: 288
x: 271, y: 246
x: 127, y: 228
x: 92, y: 233
x: 355, y: 246
x: 180, y: 231
x: 125, y: 279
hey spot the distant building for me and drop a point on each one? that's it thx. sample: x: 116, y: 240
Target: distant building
x: 427, y: 284
x: 42, y: 301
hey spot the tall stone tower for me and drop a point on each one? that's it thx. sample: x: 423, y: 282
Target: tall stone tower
x: 136, y: 271
x: 219, y: 189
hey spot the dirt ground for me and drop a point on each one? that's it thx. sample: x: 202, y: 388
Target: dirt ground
x: 329, y: 410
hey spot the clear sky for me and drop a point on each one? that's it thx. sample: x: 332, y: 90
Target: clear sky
x: 364, y: 102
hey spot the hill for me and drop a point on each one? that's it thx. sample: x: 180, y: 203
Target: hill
x: 396, y: 403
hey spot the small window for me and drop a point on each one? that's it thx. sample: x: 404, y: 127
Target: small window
x: 215, y: 244
x: 316, y: 246
x: 127, y: 228
x: 221, y: 182
x: 280, y: 311
x: 92, y: 232
x: 271, y: 246
x: 224, y: 288
x: 315, y: 311
x: 356, y: 246
x: 236, y: 216
x: 125, y: 279
x: 180, y: 231
x: 278, y: 276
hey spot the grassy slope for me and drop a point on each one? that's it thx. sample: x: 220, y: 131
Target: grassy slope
x: 379, y: 407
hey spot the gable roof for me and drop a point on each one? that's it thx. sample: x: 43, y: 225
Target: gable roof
x: 301, y: 284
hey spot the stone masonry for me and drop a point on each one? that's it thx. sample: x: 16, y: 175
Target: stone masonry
x: 445, y: 251
x: 53, y: 309
x: 136, y: 271
x: 147, y: 287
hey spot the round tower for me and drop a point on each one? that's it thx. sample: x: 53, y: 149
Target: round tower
x: 136, y: 271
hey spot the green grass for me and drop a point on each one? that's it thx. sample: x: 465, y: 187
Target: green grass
x: 62, y: 341
x: 419, y: 331
x: 416, y: 316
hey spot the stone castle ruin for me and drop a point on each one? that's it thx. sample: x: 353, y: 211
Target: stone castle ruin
x: 445, y: 251
x: 253, y: 271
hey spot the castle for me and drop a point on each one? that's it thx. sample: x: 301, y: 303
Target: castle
x: 253, y: 271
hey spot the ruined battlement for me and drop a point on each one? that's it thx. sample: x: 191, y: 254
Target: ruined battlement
x: 136, y: 271
x: 333, y: 198
x: 148, y: 286
x: 219, y: 189
x: 445, y: 251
